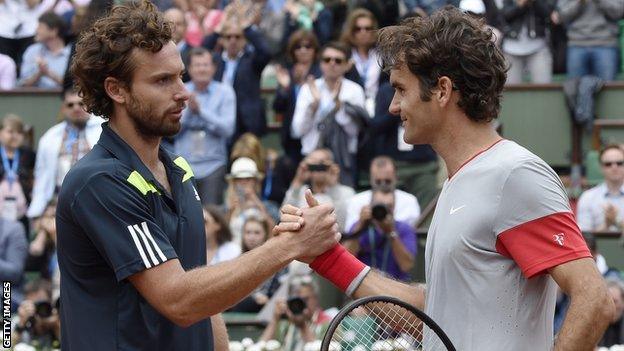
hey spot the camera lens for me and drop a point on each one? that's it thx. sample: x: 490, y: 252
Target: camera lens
x: 379, y: 212
x: 296, y: 305
x: 43, y: 309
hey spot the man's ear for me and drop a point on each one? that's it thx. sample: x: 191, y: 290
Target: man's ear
x: 115, y: 89
x: 444, y: 90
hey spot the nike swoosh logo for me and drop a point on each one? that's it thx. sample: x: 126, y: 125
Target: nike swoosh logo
x: 453, y: 210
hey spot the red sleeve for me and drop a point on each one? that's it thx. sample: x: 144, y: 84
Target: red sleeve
x: 543, y: 243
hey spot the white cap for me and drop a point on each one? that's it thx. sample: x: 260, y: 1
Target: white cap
x: 244, y: 167
x: 475, y: 6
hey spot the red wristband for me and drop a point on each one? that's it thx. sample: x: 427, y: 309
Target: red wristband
x: 338, y: 266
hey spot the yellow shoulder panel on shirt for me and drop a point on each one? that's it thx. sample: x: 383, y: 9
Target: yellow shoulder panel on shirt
x: 181, y: 162
x: 140, y: 183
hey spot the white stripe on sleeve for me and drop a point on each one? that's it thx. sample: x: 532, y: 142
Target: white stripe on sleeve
x: 149, y: 236
x: 139, y: 247
x: 147, y: 245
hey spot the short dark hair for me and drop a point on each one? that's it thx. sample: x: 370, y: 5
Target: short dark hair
x: 610, y: 147
x: 199, y: 51
x: 453, y: 44
x: 336, y: 45
x: 105, y: 50
x: 54, y: 21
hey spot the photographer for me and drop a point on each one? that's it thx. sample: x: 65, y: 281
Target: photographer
x: 382, y: 242
x: 298, y: 320
x: 38, y: 321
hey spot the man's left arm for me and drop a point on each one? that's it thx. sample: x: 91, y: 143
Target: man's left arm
x: 219, y: 333
x: 590, y: 308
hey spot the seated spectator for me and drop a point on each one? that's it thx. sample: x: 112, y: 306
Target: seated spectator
x: 44, y: 62
x: 64, y: 144
x: 243, y: 197
x: 319, y: 173
x: 219, y: 244
x: 305, y: 319
x: 301, y: 53
x: 240, y: 66
x: 382, y: 242
x: 16, y: 170
x: 327, y: 113
x: 592, y: 28
x: 207, y: 123
x: 255, y: 233
x: 13, y: 252
x: 416, y: 165
x: 360, y: 35
x: 601, y: 208
x: 614, y: 335
x: 8, y: 73
x: 525, y: 46
x: 38, y: 323
x: 178, y: 30
x: 383, y: 178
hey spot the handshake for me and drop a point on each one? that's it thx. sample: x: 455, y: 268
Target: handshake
x: 311, y: 235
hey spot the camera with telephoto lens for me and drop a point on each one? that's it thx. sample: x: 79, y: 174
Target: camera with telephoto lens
x: 43, y: 309
x: 319, y: 167
x: 296, y: 305
x: 379, y: 212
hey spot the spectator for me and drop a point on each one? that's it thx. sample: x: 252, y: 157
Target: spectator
x: 301, y: 53
x: 525, y: 46
x: 8, y: 73
x: 18, y: 25
x: 256, y: 233
x: 308, y: 15
x: 13, y: 252
x: 279, y: 172
x: 202, y: 19
x: 383, y: 178
x: 601, y: 263
x: 243, y: 197
x: 241, y: 67
x: 306, y: 321
x: 38, y: 323
x: 592, y: 36
x: 324, y: 113
x: 319, y: 173
x: 42, y: 250
x: 62, y: 146
x: 382, y: 242
x: 16, y: 171
x: 207, y: 123
x: 601, y: 208
x: 219, y: 244
x: 417, y: 165
x: 614, y: 335
x: 360, y: 34
x: 178, y: 31
x: 44, y: 62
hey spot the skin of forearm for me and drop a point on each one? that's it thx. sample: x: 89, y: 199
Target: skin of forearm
x: 219, y: 332
x: 376, y: 284
x: 404, y: 258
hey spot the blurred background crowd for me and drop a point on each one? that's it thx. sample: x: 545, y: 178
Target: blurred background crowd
x: 328, y: 104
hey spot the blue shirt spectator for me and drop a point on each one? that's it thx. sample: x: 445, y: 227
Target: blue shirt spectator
x: 207, y: 123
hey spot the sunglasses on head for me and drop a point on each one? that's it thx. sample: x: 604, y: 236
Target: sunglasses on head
x: 613, y: 163
x: 363, y: 29
x: 337, y: 60
x: 72, y: 104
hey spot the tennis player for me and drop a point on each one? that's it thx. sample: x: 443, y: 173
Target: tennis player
x: 131, y: 241
x: 503, y: 236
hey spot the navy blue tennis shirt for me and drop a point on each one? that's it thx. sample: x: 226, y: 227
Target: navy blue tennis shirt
x: 114, y: 220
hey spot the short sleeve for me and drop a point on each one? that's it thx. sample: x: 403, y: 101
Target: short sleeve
x: 534, y: 224
x: 117, y: 219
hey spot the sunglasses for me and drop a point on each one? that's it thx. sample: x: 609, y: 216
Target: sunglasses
x: 614, y: 163
x: 232, y: 36
x: 72, y: 104
x: 303, y: 46
x: 363, y: 29
x: 337, y: 60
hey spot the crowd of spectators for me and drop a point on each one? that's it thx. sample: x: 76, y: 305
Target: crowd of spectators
x: 336, y: 135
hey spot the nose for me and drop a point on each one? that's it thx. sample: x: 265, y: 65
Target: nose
x: 182, y: 94
x: 395, y: 106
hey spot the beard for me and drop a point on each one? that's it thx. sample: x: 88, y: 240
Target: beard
x: 147, y: 122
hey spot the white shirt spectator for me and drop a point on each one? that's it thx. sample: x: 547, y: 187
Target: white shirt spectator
x: 305, y: 126
x: 18, y: 20
x: 8, y: 73
x: 406, y: 208
x: 591, y: 207
x: 228, y: 251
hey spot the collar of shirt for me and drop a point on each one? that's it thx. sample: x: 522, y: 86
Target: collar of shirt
x: 124, y: 153
x: 605, y: 191
x: 209, y: 88
x: 225, y: 57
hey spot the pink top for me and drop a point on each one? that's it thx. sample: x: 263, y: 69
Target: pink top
x: 195, y: 33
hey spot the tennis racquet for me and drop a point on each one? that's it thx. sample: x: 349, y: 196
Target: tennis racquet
x: 382, y: 323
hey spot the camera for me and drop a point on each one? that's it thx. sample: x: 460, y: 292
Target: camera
x: 296, y: 305
x: 318, y: 167
x: 379, y: 212
x: 43, y: 309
